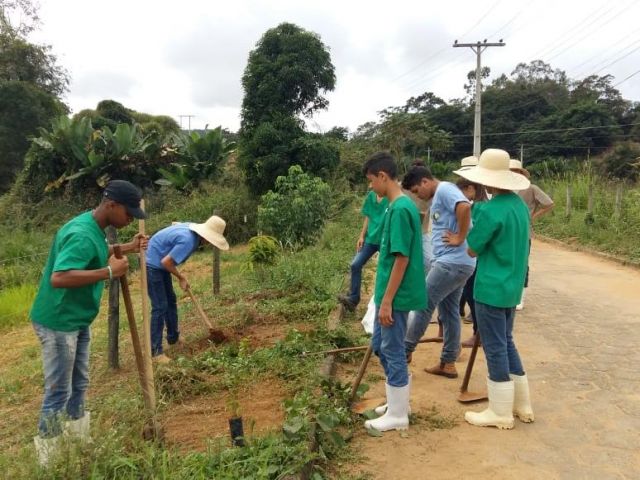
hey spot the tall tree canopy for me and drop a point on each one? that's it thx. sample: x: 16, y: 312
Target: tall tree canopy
x: 285, y: 78
x: 31, y: 83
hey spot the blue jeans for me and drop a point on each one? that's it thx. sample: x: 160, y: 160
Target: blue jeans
x: 358, y: 262
x: 65, y: 364
x: 427, y: 250
x: 164, y: 309
x: 496, y: 326
x: 388, y: 345
x: 445, y: 282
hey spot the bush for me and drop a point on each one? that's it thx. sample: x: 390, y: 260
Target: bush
x: 263, y: 250
x: 295, y: 213
x: 623, y: 163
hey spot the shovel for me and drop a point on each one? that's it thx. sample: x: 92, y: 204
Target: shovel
x: 465, y: 396
x: 215, y: 335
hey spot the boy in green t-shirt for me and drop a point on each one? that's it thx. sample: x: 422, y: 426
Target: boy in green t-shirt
x: 500, y: 241
x: 367, y: 245
x: 399, y: 289
x: 66, y: 304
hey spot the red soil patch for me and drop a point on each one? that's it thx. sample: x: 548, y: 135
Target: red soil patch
x: 191, y: 425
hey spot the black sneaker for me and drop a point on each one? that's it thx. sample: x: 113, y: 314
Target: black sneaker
x: 347, y: 303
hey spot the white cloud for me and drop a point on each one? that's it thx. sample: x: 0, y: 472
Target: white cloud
x: 187, y: 57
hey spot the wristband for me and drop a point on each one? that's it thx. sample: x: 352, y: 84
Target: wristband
x: 110, y: 272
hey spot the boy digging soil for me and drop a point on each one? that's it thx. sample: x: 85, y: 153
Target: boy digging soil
x: 399, y: 289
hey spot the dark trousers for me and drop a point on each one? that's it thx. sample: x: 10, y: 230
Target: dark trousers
x: 164, y: 309
x: 467, y: 294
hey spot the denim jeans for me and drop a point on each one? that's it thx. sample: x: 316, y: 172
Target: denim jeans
x: 388, y: 345
x: 364, y: 254
x: 444, y: 288
x: 496, y: 326
x: 65, y: 364
x: 427, y: 250
x: 164, y: 309
x: 467, y: 294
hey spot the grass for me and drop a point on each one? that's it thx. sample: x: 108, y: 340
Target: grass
x: 603, y: 229
x: 15, y: 303
x: 291, y: 300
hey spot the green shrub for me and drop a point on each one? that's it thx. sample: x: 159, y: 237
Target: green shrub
x: 263, y: 250
x: 296, y: 211
x: 623, y: 163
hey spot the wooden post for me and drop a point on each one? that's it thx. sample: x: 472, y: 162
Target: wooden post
x: 216, y: 270
x: 590, y: 200
x: 146, y: 321
x: 568, y: 207
x: 114, y: 310
x: 618, y: 206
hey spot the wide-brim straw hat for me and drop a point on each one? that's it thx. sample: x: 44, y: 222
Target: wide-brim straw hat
x: 468, y: 162
x: 493, y: 171
x: 212, y: 231
x: 516, y: 166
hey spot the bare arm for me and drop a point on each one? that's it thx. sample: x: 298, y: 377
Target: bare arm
x: 463, y: 217
x: 542, y: 211
x: 138, y: 241
x: 397, y: 274
x: 168, y: 263
x: 80, y: 278
x: 363, y: 234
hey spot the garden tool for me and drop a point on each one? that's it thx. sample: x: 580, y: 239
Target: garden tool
x: 465, y: 396
x: 215, y: 335
x: 152, y: 430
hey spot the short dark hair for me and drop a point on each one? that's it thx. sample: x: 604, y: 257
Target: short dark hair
x: 414, y: 176
x: 418, y: 163
x: 463, y: 183
x: 381, y: 162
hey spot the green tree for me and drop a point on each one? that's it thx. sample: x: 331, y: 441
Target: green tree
x: 23, y: 109
x: 285, y: 75
x: 30, y: 83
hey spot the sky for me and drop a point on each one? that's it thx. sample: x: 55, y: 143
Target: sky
x: 187, y: 57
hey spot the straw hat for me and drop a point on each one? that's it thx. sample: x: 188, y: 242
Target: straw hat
x: 212, y: 231
x: 471, y: 161
x: 516, y: 166
x: 493, y: 171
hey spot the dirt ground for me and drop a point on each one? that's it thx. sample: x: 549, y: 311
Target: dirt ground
x: 578, y: 338
x: 192, y: 424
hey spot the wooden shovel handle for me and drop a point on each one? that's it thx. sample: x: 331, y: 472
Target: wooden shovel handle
x: 202, y: 313
x: 133, y: 328
x: 472, y: 359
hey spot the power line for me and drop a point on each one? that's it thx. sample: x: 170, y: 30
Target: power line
x: 627, y: 78
x: 549, y: 130
x: 624, y: 9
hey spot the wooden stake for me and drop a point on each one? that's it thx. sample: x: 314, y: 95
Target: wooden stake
x: 568, y: 208
x: 363, y: 368
x: 146, y: 321
x: 114, y: 311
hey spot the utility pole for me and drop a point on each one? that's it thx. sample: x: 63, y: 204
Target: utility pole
x: 478, y: 48
x: 189, y: 117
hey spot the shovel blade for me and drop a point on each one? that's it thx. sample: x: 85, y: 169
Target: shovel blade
x: 468, y: 397
x: 367, y: 404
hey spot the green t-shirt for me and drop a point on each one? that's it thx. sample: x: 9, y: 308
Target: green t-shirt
x: 79, y: 245
x: 500, y: 238
x: 402, y: 234
x: 374, y: 211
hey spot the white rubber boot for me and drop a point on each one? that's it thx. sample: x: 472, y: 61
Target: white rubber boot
x: 520, y: 306
x: 521, y: 399
x: 397, y: 415
x: 79, y: 428
x: 500, y: 411
x: 46, y: 449
x: 383, y: 408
